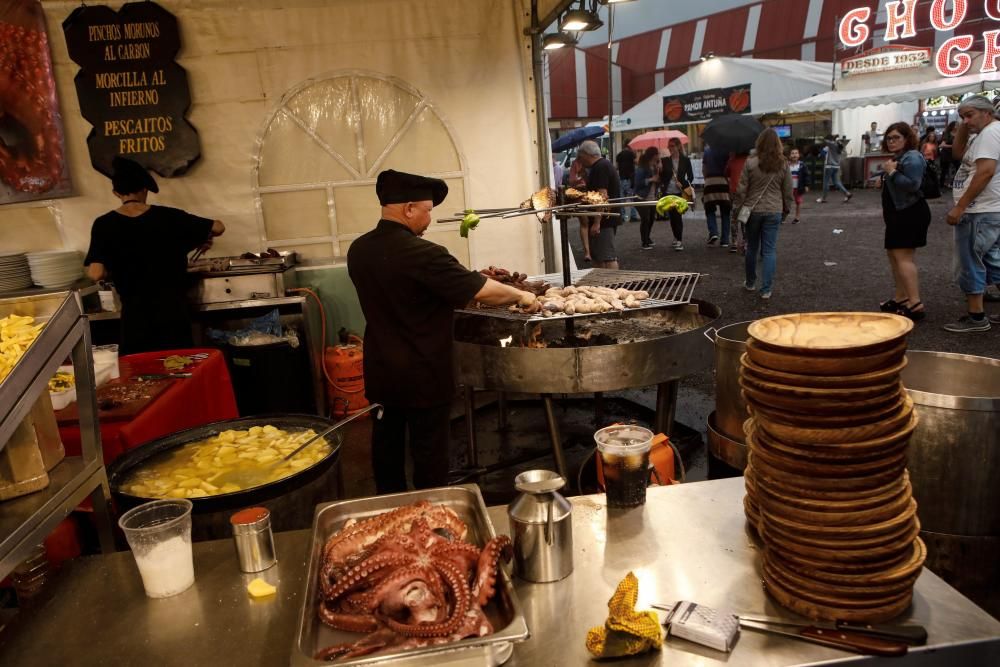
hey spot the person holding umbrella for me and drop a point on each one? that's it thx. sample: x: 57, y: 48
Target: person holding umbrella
x: 735, y: 135
x: 831, y: 167
x: 764, y: 200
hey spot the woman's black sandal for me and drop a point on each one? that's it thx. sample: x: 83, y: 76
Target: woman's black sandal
x: 908, y: 311
x: 891, y: 306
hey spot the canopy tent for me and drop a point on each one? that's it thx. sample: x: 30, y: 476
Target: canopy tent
x: 907, y: 92
x: 773, y: 85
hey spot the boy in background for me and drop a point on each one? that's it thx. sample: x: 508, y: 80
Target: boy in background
x: 800, y: 180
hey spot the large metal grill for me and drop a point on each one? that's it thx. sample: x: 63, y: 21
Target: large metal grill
x: 665, y: 289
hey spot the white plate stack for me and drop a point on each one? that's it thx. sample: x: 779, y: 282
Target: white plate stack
x: 55, y: 268
x: 14, y: 272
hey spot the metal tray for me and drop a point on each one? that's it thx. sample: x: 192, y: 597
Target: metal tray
x: 503, y: 611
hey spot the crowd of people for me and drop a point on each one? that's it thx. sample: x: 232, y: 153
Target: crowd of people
x: 746, y: 198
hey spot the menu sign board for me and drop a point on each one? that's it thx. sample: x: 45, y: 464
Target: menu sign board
x: 129, y: 87
x: 706, y: 104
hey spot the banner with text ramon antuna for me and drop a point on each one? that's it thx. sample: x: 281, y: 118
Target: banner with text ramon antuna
x: 129, y: 87
x: 706, y: 104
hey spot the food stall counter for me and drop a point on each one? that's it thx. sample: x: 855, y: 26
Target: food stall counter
x: 688, y: 542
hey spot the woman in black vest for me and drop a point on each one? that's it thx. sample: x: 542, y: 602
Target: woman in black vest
x: 676, y: 174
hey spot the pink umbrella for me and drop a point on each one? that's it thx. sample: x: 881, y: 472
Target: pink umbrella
x: 658, y: 138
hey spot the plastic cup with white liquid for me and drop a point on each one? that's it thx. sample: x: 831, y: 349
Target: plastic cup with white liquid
x: 624, y: 451
x: 159, y: 533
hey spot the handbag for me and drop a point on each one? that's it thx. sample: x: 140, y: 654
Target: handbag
x: 743, y: 215
x: 687, y: 193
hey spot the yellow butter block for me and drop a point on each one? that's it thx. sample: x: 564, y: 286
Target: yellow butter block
x: 258, y: 588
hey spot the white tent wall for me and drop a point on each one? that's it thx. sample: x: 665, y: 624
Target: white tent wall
x: 775, y: 83
x: 469, y: 59
x: 854, y: 122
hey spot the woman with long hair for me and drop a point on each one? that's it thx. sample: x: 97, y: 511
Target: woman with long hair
x: 906, y: 216
x: 676, y: 174
x: 644, y: 184
x: 765, y: 191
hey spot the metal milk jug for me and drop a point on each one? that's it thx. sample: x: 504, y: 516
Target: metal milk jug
x: 542, y: 524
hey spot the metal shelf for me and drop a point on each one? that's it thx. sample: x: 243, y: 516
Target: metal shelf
x: 25, y: 521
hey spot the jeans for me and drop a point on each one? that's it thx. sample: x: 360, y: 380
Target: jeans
x: 627, y: 191
x: 831, y: 176
x: 713, y: 228
x: 428, y: 429
x: 762, y: 237
x: 977, y: 251
x: 647, y: 214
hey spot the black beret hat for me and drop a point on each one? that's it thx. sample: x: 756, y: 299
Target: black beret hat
x: 129, y: 176
x: 398, y: 187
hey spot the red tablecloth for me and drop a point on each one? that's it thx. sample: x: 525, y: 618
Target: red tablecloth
x: 206, y: 396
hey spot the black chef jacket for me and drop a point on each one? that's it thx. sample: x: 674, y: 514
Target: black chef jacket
x: 409, y: 289
x: 146, y: 258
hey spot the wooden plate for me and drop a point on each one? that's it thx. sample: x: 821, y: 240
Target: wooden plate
x: 905, y: 568
x: 831, y: 381
x: 840, y: 454
x: 831, y: 334
x: 763, y: 480
x: 868, y: 482
x: 784, y: 416
x: 819, y: 435
x: 822, y: 612
x: 898, y: 526
x: 820, y: 594
x: 905, y: 533
x: 820, y: 406
x: 829, y: 468
x: 825, y: 393
x: 836, y: 514
x: 799, y: 580
x: 784, y: 545
x: 818, y: 365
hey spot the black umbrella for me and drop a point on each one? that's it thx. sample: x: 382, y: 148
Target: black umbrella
x: 733, y: 133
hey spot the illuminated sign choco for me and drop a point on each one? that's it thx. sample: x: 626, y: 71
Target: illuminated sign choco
x: 951, y: 58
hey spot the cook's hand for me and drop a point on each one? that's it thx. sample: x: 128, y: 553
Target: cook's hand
x: 525, y: 299
x: 595, y: 229
x: 955, y: 215
x: 889, y: 166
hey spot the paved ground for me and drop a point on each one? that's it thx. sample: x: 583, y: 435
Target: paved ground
x: 819, y: 269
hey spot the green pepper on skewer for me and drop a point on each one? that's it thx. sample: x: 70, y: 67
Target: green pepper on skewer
x: 469, y: 222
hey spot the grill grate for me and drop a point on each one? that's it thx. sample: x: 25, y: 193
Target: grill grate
x: 665, y: 289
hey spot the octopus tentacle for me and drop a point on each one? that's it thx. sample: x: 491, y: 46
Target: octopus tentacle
x: 460, y: 591
x: 486, y: 576
x: 360, y: 574
x: 349, y: 622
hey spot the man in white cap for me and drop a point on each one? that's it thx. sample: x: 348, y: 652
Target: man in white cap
x: 409, y: 288
x: 976, y: 214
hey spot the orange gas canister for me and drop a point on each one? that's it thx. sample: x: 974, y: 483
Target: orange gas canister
x: 661, y: 459
x: 346, y: 375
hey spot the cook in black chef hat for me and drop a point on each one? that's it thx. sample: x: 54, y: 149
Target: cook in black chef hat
x: 398, y: 187
x: 129, y: 177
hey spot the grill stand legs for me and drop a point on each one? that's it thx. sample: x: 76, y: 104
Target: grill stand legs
x: 557, y: 451
x: 666, y: 406
x: 472, y: 452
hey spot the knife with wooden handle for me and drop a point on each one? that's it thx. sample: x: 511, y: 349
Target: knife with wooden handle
x: 842, y: 639
x: 913, y: 634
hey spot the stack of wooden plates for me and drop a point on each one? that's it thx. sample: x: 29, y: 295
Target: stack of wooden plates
x: 827, y: 487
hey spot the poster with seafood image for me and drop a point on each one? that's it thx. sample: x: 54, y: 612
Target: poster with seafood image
x: 33, y: 161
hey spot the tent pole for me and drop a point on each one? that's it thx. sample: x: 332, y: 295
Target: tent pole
x: 611, y: 88
x: 833, y: 67
x: 542, y: 130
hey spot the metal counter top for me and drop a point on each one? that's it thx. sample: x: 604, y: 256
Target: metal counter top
x: 687, y: 542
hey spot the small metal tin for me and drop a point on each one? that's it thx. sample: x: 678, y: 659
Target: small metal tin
x: 253, y: 538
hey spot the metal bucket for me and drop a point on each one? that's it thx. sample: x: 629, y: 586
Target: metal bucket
x: 730, y: 409
x: 954, y: 464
